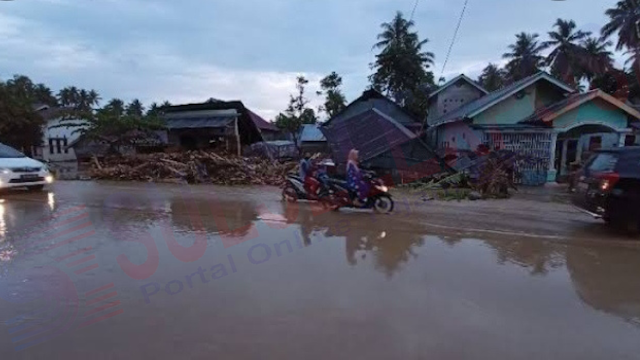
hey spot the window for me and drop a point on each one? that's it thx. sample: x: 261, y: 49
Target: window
x: 65, y: 144
x: 50, y: 146
x: 595, y: 143
x: 464, y: 136
x: 629, y: 140
x: 9, y: 152
x: 603, y: 162
x: 58, y: 147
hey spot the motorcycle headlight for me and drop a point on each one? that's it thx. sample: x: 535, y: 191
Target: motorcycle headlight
x: 383, y: 188
x: 5, y: 171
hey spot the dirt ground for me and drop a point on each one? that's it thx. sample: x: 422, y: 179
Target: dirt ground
x: 124, y: 270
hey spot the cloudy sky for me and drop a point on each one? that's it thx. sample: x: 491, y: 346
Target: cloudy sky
x: 191, y: 50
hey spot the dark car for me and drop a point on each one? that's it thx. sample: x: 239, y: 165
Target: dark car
x: 608, y: 187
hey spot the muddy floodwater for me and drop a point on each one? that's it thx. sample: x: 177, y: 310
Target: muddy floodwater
x: 136, y: 271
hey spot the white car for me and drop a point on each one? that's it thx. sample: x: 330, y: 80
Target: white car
x: 17, y: 170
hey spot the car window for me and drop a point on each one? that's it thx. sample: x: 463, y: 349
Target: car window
x: 9, y: 152
x: 603, y: 162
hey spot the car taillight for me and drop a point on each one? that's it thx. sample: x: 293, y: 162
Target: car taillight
x: 608, y: 180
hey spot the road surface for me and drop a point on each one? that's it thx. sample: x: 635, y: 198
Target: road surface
x: 125, y: 271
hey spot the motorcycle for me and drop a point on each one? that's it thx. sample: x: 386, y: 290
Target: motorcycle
x: 338, y: 195
x: 294, y: 188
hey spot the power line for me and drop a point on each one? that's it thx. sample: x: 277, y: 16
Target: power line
x: 413, y: 12
x: 455, y: 35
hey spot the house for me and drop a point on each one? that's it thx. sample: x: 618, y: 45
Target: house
x: 385, y: 136
x: 56, y: 140
x: 269, y: 130
x: 540, y: 118
x: 312, y: 140
x: 227, y: 125
x: 459, y: 91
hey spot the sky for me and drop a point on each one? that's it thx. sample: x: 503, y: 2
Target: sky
x: 187, y: 51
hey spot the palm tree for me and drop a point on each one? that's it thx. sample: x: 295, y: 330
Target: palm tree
x: 524, y: 57
x: 596, y: 59
x: 623, y: 20
x: 566, y: 50
x: 43, y: 94
x: 135, y: 108
x: 94, y: 98
x: 492, y: 77
x: 402, y: 64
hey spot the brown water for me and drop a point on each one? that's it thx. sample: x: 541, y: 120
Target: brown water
x: 234, y: 273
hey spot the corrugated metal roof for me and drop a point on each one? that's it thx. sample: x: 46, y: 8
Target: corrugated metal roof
x: 481, y: 104
x: 371, y: 132
x: 455, y: 80
x: 201, y: 122
x: 311, y: 132
x: 261, y: 123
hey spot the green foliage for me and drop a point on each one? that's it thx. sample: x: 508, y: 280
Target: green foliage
x: 566, y: 51
x: 623, y: 20
x: 297, y: 113
x: 115, y: 125
x: 335, y: 101
x: 524, y: 57
x: 492, y: 78
x: 402, y: 67
x: 78, y: 99
x: 20, y: 125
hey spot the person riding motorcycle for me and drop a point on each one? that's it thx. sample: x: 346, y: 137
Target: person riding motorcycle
x: 307, y: 175
x: 355, y: 179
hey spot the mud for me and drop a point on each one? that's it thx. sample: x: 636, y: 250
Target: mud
x: 110, y: 271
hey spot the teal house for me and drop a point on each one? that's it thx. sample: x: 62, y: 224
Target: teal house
x: 538, y: 117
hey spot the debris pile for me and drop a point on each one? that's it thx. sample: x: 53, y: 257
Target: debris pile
x: 192, y: 167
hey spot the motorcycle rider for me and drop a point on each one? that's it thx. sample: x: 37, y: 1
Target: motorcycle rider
x: 355, y: 181
x: 306, y: 174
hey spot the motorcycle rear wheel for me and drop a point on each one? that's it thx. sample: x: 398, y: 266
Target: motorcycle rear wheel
x: 289, y: 194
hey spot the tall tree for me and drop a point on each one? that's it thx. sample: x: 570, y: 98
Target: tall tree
x: 492, y: 77
x: 114, y: 125
x: 334, y: 101
x: 135, y: 108
x: 153, y: 110
x: 524, y: 57
x: 566, y: 51
x: 44, y: 95
x: 20, y: 125
x: 297, y: 113
x: 596, y: 59
x: 623, y: 20
x: 402, y: 66
x: 115, y: 106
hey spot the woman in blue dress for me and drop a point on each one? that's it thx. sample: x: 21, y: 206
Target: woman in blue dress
x: 354, y: 179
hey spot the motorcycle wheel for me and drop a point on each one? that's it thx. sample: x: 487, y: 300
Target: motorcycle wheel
x: 289, y: 194
x: 383, y: 204
x: 329, y: 201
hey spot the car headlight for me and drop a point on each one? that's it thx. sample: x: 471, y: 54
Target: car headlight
x: 5, y: 171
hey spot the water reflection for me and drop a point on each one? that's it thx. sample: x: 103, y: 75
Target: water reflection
x: 51, y: 200
x: 232, y: 218
x: 607, y: 279
x: 3, y: 222
x: 538, y: 256
x: 366, y: 235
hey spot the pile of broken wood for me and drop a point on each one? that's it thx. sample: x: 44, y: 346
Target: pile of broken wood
x: 192, y: 167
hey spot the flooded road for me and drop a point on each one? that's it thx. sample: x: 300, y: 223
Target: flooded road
x: 111, y: 271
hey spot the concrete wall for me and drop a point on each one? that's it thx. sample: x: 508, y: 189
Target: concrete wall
x: 456, y: 95
x: 511, y: 110
x: 591, y: 113
x: 458, y: 136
